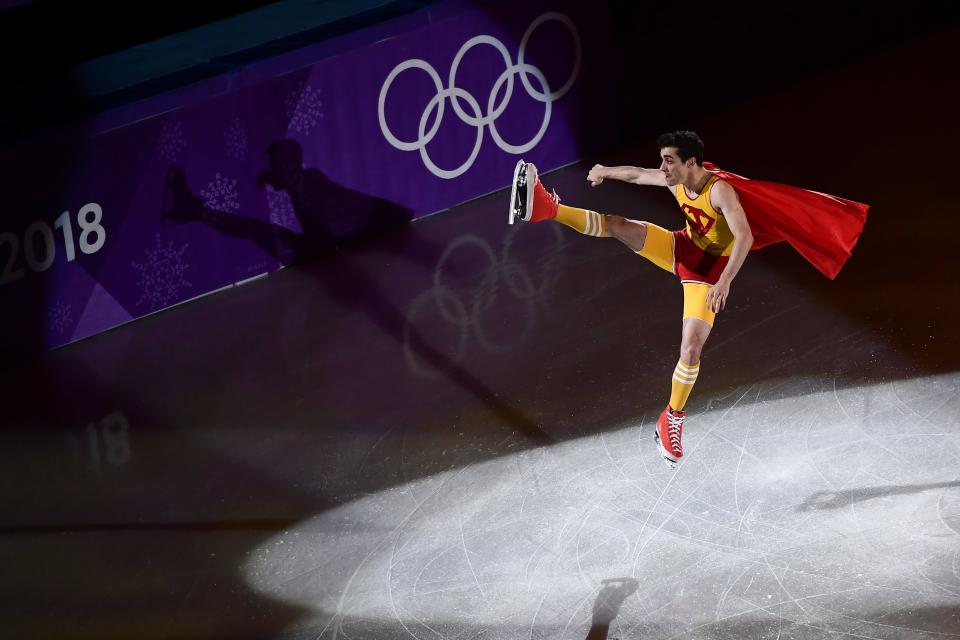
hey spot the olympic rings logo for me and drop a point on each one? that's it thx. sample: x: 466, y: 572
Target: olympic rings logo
x: 480, y: 119
x: 473, y: 310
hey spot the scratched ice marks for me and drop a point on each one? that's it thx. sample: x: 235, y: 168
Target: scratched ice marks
x: 803, y: 516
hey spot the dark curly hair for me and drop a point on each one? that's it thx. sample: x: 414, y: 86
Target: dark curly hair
x: 688, y: 144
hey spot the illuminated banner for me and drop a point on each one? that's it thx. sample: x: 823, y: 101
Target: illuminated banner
x: 190, y: 192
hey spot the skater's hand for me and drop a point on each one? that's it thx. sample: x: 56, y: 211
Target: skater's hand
x: 595, y: 176
x: 717, y: 296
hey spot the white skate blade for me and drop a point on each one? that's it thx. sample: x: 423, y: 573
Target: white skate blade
x: 513, y: 191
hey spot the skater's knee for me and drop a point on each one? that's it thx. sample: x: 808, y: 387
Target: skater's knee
x: 613, y: 225
x: 630, y: 232
x: 690, y: 353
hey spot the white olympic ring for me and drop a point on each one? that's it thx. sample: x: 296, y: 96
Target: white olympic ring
x: 494, y: 111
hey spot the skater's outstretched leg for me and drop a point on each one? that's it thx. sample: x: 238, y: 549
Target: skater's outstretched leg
x: 531, y: 202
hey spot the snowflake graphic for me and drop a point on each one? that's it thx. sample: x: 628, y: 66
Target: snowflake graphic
x: 161, y: 275
x: 304, y: 108
x: 171, y: 141
x: 60, y: 317
x: 221, y: 194
x: 281, y: 209
x: 236, y: 139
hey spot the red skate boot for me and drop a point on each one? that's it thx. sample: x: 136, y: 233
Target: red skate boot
x: 529, y: 201
x: 668, y: 433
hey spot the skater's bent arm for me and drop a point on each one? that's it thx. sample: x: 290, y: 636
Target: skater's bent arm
x: 635, y: 175
x: 724, y: 197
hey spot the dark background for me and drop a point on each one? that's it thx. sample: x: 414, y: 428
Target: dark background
x: 42, y: 43
x: 241, y: 410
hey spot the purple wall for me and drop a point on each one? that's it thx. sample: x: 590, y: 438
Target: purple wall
x: 178, y: 196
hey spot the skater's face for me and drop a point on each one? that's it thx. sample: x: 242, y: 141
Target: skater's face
x: 674, y: 169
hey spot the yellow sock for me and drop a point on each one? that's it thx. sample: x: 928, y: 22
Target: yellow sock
x: 684, y: 376
x: 586, y: 222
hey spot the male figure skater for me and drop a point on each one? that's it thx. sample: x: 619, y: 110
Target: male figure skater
x: 708, y: 252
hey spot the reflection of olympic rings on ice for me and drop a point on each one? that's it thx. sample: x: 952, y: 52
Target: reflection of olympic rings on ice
x: 472, y: 311
x: 494, y: 110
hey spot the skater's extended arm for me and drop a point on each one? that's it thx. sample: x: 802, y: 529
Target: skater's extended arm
x: 725, y: 199
x: 635, y: 175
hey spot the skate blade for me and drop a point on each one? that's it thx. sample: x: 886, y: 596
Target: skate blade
x: 670, y: 463
x: 514, y: 211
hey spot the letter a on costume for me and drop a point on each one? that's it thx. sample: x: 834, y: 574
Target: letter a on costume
x: 700, y: 221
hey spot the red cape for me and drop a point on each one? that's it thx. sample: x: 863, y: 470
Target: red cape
x: 821, y: 227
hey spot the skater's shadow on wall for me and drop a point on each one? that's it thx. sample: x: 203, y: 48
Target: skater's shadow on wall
x: 333, y: 217
x: 324, y: 215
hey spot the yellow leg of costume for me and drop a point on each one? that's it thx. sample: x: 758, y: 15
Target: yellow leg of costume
x: 587, y: 222
x: 695, y: 302
x: 685, y: 374
x: 684, y: 377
